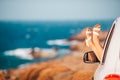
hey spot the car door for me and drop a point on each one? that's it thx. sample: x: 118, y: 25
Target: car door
x: 111, y: 54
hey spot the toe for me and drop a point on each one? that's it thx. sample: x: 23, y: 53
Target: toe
x: 88, y: 32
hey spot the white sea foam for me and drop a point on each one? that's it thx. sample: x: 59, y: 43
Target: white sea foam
x: 61, y: 42
x: 23, y: 53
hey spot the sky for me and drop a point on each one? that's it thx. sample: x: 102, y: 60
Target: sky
x: 59, y: 9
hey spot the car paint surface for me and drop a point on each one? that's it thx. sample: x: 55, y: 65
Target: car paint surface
x: 110, y: 63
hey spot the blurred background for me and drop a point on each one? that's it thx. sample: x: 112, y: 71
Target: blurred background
x: 31, y: 26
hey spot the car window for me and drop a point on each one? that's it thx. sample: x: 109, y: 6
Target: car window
x: 107, y: 42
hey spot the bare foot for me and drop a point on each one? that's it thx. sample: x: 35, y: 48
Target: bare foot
x: 96, y: 33
x: 88, y: 40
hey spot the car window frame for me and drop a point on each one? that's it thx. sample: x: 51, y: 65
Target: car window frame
x: 107, y: 42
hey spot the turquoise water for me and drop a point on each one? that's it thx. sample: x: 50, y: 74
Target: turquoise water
x: 14, y: 35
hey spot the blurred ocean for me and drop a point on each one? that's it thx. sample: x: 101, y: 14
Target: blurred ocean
x: 44, y: 34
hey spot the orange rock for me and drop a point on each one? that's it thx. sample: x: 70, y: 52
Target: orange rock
x: 66, y: 68
x: 52, y: 71
x: 25, y: 75
x: 64, y: 76
x: 83, y: 75
x: 31, y: 73
x: 14, y: 74
x: 2, y: 75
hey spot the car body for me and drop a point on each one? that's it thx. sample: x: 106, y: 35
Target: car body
x: 109, y: 67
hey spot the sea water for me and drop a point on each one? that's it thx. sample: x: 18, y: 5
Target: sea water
x: 30, y: 34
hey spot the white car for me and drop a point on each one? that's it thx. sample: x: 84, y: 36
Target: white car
x: 109, y: 67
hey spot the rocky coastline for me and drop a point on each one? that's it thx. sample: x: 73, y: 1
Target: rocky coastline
x: 70, y: 67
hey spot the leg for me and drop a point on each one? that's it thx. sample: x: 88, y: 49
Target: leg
x: 98, y: 48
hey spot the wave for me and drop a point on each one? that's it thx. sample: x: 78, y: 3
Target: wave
x: 27, y: 53
x: 23, y: 53
x: 61, y: 42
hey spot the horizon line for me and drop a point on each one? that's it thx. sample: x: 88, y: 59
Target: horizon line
x: 57, y: 20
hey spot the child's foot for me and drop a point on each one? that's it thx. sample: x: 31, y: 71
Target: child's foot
x: 88, y: 40
x: 96, y: 33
